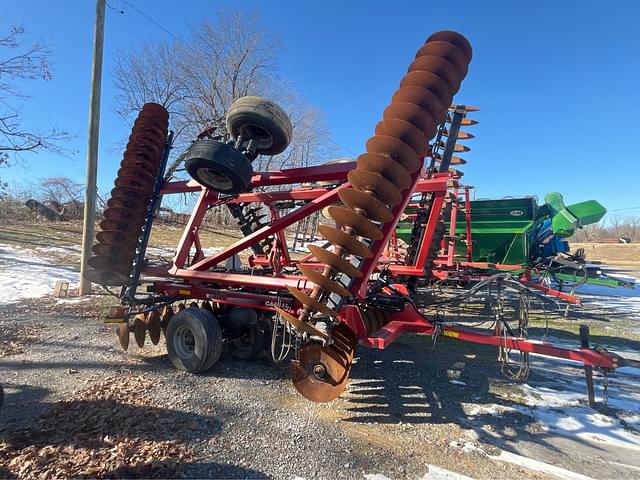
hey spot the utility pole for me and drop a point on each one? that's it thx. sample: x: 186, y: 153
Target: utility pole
x: 92, y: 147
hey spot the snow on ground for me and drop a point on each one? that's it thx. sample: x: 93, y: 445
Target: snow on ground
x: 557, y: 402
x: 434, y: 473
x: 25, y: 274
x: 623, y: 299
x: 538, y: 466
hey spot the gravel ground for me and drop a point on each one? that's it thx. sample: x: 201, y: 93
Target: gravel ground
x: 402, y: 412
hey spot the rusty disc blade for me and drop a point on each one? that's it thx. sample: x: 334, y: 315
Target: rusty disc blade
x: 334, y: 261
x: 134, y: 182
x: 344, y: 240
x: 454, y: 160
x: 154, y: 325
x: 454, y: 38
x: 122, y: 330
x: 109, y: 263
x: 465, y: 121
x: 300, y: 326
x: 461, y: 135
x: 371, y: 207
x: 131, y: 215
x: 113, y: 236
x: 448, y: 51
x: 165, y: 316
x: 110, y: 224
x: 396, y: 149
x: 325, y: 282
x: 139, y: 329
x: 438, y: 65
x: 404, y: 131
x: 110, y: 278
x: 422, y: 97
x: 131, y: 192
x: 321, y: 372
x: 414, y: 114
x: 431, y: 81
x: 131, y: 204
x: 111, y: 249
x: 311, y: 303
x: 376, y: 184
x: 456, y: 148
x: 361, y: 226
x: 387, y: 167
x: 466, y: 108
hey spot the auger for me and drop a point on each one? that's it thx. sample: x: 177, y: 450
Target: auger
x: 351, y: 292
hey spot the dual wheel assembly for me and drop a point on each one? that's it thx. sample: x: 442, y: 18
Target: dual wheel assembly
x: 196, y: 336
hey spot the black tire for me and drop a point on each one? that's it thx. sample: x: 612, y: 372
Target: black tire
x: 194, y: 340
x: 249, y: 345
x: 262, y: 120
x: 218, y: 166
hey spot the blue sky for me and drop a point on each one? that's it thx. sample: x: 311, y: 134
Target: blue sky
x: 557, y: 82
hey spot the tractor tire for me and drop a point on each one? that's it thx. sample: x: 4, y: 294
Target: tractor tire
x: 218, y: 166
x: 262, y: 120
x: 194, y: 340
x: 249, y: 345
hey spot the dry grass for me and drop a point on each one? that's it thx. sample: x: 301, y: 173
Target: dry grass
x: 611, y: 253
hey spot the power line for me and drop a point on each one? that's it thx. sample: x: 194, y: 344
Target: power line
x: 624, y: 209
x: 149, y: 19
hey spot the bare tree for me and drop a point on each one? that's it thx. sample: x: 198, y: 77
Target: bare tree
x: 19, y: 63
x: 198, y: 78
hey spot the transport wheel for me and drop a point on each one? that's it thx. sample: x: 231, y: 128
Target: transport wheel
x: 194, y: 340
x: 261, y: 120
x: 249, y: 345
x: 218, y: 166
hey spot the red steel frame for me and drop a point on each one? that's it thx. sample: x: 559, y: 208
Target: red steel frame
x: 192, y: 278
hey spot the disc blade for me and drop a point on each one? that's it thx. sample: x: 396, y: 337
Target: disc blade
x: 154, y: 325
x: 396, y: 149
x: 311, y: 303
x: 334, y: 261
x: 466, y: 108
x: 347, y: 217
x: 404, y: 131
x: 461, y: 135
x: 325, y: 282
x: 300, y: 326
x: 344, y: 240
x: 387, y: 167
x: 321, y: 373
x: 382, y: 188
x: 373, y: 208
x: 139, y: 329
x: 122, y: 330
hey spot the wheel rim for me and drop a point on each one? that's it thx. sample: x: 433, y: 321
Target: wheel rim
x: 217, y: 180
x: 247, y: 340
x: 185, y: 342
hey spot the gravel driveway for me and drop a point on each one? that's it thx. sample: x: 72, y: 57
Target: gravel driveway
x: 404, y: 409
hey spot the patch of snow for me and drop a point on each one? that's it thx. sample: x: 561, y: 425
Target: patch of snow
x: 457, y: 382
x: 25, y: 274
x: 438, y: 473
x: 538, y: 466
x: 474, y: 409
x: 466, y: 447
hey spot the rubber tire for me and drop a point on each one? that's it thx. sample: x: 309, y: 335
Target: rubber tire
x: 250, y: 115
x: 252, y: 350
x: 206, y: 155
x: 207, y: 336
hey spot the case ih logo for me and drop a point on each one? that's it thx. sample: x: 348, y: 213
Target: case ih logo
x: 516, y: 213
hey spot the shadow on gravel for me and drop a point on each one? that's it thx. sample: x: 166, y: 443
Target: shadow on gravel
x: 412, y: 383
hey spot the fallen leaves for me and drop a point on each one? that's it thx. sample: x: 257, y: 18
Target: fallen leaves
x: 109, y: 430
